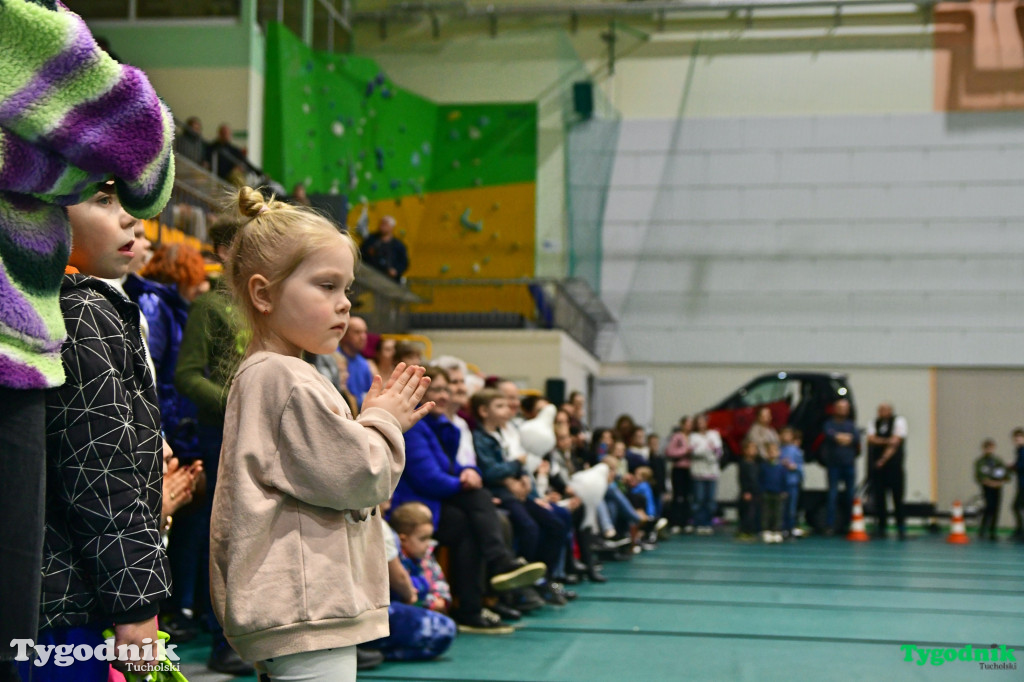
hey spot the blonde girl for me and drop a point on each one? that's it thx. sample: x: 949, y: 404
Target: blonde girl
x: 298, y: 571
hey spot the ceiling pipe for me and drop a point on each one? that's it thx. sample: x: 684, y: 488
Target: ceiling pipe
x: 412, y: 10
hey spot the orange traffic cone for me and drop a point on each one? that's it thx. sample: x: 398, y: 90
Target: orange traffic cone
x: 857, y: 532
x: 957, y: 531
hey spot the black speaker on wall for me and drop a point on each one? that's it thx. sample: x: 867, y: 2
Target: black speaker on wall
x: 583, y: 99
x: 554, y: 391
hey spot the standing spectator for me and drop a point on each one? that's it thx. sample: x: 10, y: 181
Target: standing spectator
x: 840, y: 449
x: 226, y: 160
x: 991, y: 474
x: 792, y: 457
x: 65, y: 105
x: 211, y: 350
x: 104, y: 563
x: 763, y: 432
x: 750, y: 492
x: 773, y: 493
x: 174, y: 278
x: 190, y: 143
x: 887, y: 437
x: 679, y: 453
x: 707, y: 451
x: 352, y: 345
x: 384, y: 251
x: 1018, y: 468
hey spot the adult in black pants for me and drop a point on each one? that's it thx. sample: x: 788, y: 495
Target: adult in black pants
x: 678, y: 452
x: 887, y: 437
x: 466, y: 520
x: 991, y: 474
x: 22, y: 462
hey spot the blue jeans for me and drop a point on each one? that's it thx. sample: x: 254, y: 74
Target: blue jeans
x: 789, y: 513
x: 704, y: 501
x: 621, y: 509
x: 844, y: 474
x: 416, y: 634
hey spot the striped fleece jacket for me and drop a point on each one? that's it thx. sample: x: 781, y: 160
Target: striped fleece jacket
x: 70, y: 118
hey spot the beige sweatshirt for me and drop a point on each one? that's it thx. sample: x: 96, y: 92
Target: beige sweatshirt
x: 292, y: 566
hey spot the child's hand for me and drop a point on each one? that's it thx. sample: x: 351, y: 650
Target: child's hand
x: 401, y: 395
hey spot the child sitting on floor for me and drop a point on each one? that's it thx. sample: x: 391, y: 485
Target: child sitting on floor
x: 415, y: 527
x: 417, y: 634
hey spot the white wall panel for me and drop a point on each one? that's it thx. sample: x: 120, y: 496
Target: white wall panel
x: 805, y: 239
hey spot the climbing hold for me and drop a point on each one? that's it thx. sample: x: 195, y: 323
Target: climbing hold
x: 338, y: 128
x: 468, y: 224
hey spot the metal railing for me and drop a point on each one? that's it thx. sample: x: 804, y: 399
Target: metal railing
x: 536, y: 303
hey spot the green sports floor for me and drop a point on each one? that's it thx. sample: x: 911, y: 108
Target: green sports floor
x: 710, y: 608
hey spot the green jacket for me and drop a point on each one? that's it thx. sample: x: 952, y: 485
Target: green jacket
x: 211, y: 350
x: 990, y: 468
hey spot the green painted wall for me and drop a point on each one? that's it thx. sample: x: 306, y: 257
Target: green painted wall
x: 342, y: 126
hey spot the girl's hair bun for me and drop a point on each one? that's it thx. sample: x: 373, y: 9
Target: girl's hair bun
x: 250, y: 202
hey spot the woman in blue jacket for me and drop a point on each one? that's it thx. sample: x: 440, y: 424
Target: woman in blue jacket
x: 465, y: 518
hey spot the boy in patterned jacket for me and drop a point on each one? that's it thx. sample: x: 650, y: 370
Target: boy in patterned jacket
x: 70, y: 118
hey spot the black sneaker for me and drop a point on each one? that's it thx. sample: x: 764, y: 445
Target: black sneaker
x: 477, y: 624
x: 224, y: 660
x: 368, y: 659
x: 551, y: 596
x: 526, y: 600
x: 180, y: 627
x: 507, y: 613
x: 559, y: 588
x: 517, y: 573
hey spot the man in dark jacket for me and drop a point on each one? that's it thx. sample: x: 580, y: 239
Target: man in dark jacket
x: 384, y: 251
x: 841, y: 447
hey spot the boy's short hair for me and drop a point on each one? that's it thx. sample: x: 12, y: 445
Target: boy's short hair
x: 746, y: 444
x: 410, y: 516
x: 645, y: 474
x: 405, y: 349
x: 1018, y: 432
x: 483, y: 398
x: 988, y: 442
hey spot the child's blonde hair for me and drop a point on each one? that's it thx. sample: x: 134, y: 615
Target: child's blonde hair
x: 273, y: 241
x: 644, y: 474
x: 410, y: 516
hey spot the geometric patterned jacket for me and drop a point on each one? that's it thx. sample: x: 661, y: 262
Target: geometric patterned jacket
x: 103, y: 561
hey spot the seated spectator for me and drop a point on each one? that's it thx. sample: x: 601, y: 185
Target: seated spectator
x: 352, y: 345
x: 415, y: 527
x: 458, y: 400
x: 408, y: 352
x: 342, y: 364
x: 416, y: 634
x: 537, y: 528
x: 467, y: 520
x: 383, y: 251
x: 383, y: 361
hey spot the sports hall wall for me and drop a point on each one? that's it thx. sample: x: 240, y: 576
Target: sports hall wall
x: 213, y: 67
x: 785, y: 193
